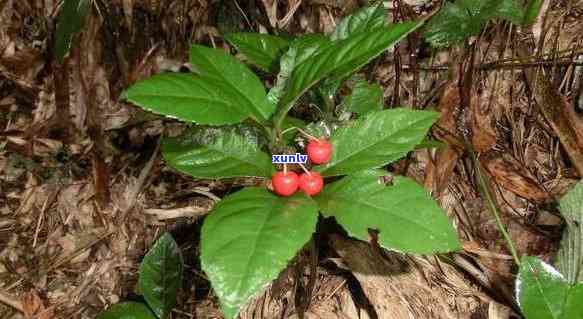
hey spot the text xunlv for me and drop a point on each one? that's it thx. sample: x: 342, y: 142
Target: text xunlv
x: 289, y: 158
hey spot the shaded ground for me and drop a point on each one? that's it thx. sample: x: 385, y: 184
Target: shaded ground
x: 84, y: 192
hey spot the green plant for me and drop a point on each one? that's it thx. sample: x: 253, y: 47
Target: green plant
x: 251, y: 235
x: 457, y: 21
x: 159, y: 281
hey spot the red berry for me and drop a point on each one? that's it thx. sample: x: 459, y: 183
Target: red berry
x: 311, y: 183
x: 285, y: 184
x: 319, y: 151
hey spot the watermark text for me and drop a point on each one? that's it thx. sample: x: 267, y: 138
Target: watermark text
x: 289, y: 158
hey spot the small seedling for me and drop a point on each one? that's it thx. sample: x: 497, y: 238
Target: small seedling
x: 159, y: 281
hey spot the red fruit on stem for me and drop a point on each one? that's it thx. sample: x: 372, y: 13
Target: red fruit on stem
x: 285, y: 184
x: 311, y: 183
x: 319, y: 151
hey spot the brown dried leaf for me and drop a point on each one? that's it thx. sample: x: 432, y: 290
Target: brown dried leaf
x: 31, y: 303
x: 513, y: 176
x: 24, y: 65
x: 45, y: 147
x: 483, y: 134
x: 555, y: 108
x: 33, y: 195
x: 34, y: 308
x: 75, y: 206
x: 45, y: 105
x: 575, y: 120
x: 438, y: 173
x: 449, y: 106
x: 116, y: 120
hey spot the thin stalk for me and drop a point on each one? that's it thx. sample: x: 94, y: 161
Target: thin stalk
x: 305, y: 169
x: 306, y: 134
x: 486, y: 192
x: 279, y: 116
x: 488, y: 196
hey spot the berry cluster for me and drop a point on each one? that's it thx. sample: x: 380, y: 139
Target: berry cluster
x: 311, y: 183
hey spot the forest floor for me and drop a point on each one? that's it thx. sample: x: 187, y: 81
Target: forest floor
x: 84, y: 191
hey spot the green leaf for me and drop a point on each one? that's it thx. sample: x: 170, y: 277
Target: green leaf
x: 262, y: 50
x: 457, y: 21
x: 452, y: 24
x: 127, y: 310
x: 508, y: 10
x: 224, y: 92
x: 430, y: 144
x: 249, y: 238
x: 363, y: 183
x: 70, y: 21
x: 363, y: 20
x: 542, y: 292
x: 190, y: 98
x: 405, y: 215
x: 299, y: 50
x: 376, y: 139
x: 365, y: 98
x: 573, y: 308
x: 340, y: 59
x: 540, y: 289
x: 235, y: 78
x: 571, y: 204
x: 161, y: 275
x: 218, y: 152
x: 532, y: 11
x: 571, y: 248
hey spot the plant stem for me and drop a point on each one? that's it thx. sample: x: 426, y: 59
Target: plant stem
x: 306, y: 134
x: 279, y: 116
x: 328, y: 103
x: 269, y: 133
x: 488, y: 196
x: 282, y: 111
x: 289, y: 129
x: 305, y: 169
